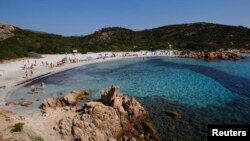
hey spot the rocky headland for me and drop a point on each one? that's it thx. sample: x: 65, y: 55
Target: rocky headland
x: 244, y: 51
x: 112, y: 118
x: 6, y: 31
x: 213, y: 55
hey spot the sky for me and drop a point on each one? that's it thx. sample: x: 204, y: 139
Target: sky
x: 83, y: 17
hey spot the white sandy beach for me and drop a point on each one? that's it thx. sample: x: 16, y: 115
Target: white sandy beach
x: 13, y: 73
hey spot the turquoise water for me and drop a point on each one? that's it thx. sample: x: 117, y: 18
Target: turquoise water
x: 203, y: 92
x: 188, y: 81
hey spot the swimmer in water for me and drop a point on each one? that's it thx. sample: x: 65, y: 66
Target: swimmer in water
x: 33, y: 89
x: 42, y: 84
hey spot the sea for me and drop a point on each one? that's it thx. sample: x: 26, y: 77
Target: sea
x: 202, y: 92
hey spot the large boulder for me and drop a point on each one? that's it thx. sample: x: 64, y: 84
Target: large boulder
x: 223, y: 56
x: 126, y: 106
x: 114, y: 117
x: 211, y: 55
x: 73, y: 96
x: 68, y: 100
x: 233, y: 56
x: 52, y: 102
x: 228, y: 56
x: 109, y: 96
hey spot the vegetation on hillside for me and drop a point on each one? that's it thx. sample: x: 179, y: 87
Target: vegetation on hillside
x: 18, y: 127
x: 196, y: 36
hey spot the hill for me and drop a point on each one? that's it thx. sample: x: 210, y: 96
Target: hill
x: 17, y: 42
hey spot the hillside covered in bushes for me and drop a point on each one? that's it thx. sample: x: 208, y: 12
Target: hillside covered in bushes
x: 16, y: 42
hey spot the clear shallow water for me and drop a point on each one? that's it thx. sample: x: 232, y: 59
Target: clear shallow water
x: 203, y: 92
x: 239, y: 68
x: 194, y: 82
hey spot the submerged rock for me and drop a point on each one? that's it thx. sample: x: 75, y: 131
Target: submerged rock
x: 10, y: 103
x: 173, y: 115
x: 25, y: 103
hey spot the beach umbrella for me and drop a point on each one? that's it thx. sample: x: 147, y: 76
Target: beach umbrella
x: 89, y: 57
x: 65, y: 59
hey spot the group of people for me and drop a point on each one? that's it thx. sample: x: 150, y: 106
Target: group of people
x: 34, y: 89
x: 29, y: 69
x: 73, y: 60
x: 29, y: 73
x: 129, y: 54
x: 48, y: 65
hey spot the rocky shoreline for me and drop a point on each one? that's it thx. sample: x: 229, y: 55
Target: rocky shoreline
x: 213, y: 55
x: 112, y: 118
x: 244, y: 51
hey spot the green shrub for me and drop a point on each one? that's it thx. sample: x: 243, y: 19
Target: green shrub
x: 34, y: 55
x: 18, y: 127
x: 38, y: 139
x: 192, y: 37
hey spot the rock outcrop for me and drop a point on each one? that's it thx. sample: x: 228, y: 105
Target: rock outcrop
x: 244, y: 51
x: 222, y: 55
x: 23, y: 102
x: 6, y: 31
x: 114, y: 117
x: 67, y: 100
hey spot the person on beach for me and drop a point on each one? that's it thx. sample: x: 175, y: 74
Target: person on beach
x: 24, y: 66
x: 42, y: 84
x: 31, y: 67
x: 33, y: 89
x: 26, y: 74
x: 31, y: 72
